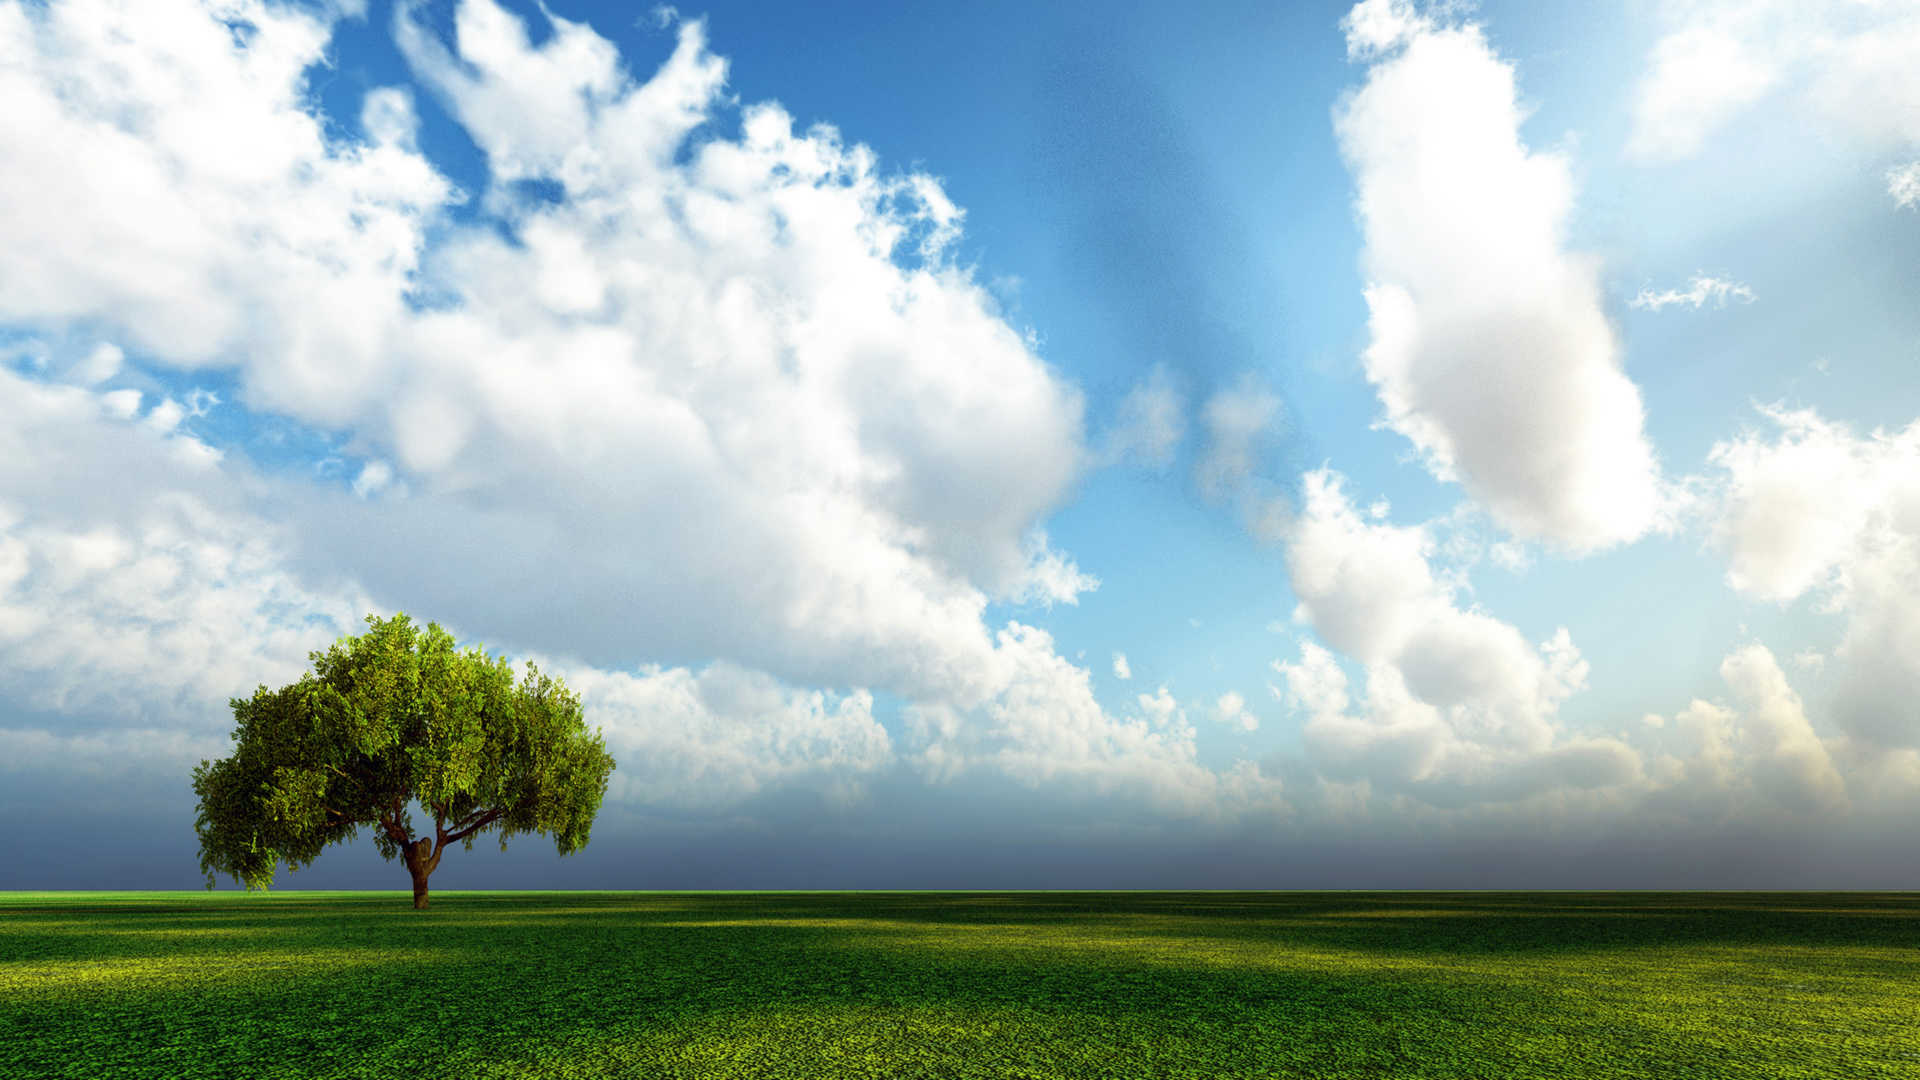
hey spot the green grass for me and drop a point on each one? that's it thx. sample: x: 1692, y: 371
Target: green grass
x: 1204, y: 985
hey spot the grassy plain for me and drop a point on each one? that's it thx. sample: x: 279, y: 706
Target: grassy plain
x: 896, y: 985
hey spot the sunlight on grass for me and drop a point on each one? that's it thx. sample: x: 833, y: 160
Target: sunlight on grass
x: 970, y: 985
x: 21, y: 981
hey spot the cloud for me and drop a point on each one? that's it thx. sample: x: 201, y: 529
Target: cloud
x: 143, y: 584
x: 140, y: 585
x: 1816, y: 509
x: 1903, y: 184
x: 111, y: 754
x: 1232, y: 711
x: 375, y: 476
x: 1374, y: 27
x: 1851, y: 64
x: 1457, y: 707
x: 1051, y: 576
x: 240, y: 234
x: 716, y: 737
x: 1793, y: 763
x: 1237, y: 419
x: 1044, y: 726
x: 714, y: 424
x: 1700, y: 290
x: 1701, y: 75
x: 1121, y: 669
x: 1490, y: 346
x: 1149, y: 424
x: 729, y: 369
x: 1760, y: 753
x: 1241, y: 422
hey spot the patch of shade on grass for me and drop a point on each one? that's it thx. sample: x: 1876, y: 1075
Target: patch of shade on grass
x: 894, y: 985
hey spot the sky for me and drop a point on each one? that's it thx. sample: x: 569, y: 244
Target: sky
x: 1005, y: 446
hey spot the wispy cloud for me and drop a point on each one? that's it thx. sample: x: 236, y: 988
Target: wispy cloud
x: 1698, y: 293
x: 1903, y: 183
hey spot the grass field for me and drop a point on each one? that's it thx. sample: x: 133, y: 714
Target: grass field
x: 1480, y: 985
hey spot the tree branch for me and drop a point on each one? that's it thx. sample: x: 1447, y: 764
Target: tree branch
x: 485, y: 819
x: 336, y: 771
x: 392, y: 824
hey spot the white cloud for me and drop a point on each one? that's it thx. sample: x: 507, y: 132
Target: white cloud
x: 1150, y: 423
x: 1121, y: 669
x: 137, y: 588
x: 100, y: 364
x: 1490, y: 346
x: 1241, y: 422
x: 1700, y: 290
x: 1378, y: 26
x: 1760, y: 753
x: 1793, y: 763
x: 239, y: 234
x: 1162, y: 711
x: 1457, y: 706
x: 734, y: 370
x: 713, y: 738
x: 1051, y: 576
x: 106, y: 754
x: 1818, y: 509
x: 1044, y: 726
x: 1237, y: 419
x: 1701, y: 75
x: 1849, y: 64
x: 726, y: 392
x: 140, y: 590
x: 375, y: 477
x: 1232, y: 711
x: 121, y: 404
x: 1903, y: 183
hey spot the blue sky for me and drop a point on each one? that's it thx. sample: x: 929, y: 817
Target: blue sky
x: 1235, y: 445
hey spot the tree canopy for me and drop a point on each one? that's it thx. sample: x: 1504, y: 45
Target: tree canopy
x: 393, y: 717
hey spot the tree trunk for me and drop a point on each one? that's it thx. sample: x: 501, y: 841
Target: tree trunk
x: 419, y: 865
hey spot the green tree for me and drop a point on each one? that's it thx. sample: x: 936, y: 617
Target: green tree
x: 386, y: 719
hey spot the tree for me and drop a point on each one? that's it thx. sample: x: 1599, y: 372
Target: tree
x: 386, y: 719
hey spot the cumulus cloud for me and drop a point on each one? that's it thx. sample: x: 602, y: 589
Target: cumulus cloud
x: 143, y: 584
x: 1232, y: 711
x: 1490, y: 346
x: 713, y: 421
x: 1051, y: 577
x: 1852, y: 64
x: 140, y: 587
x: 240, y: 234
x: 1816, y: 509
x: 1792, y: 761
x: 1457, y: 705
x: 1121, y: 669
x: 712, y: 738
x: 736, y: 374
x: 1700, y: 290
x: 1761, y: 753
x: 1044, y: 726
x: 374, y: 477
